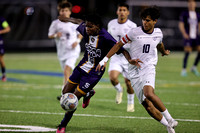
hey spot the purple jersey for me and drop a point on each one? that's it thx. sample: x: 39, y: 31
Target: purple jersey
x: 186, y: 19
x: 97, y: 48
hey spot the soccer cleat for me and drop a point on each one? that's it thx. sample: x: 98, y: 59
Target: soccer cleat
x: 86, y: 99
x: 119, y: 97
x: 195, y: 71
x: 183, y: 73
x: 4, y: 78
x: 60, y: 130
x: 170, y: 129
x: 130, y: 108
x: 173, y: 123
x: 58, y: 97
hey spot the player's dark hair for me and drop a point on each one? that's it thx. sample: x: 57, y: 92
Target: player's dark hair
x: 152, y: 11
x: 95, y: 19
x: 123, y: 5
x: 65, y: 4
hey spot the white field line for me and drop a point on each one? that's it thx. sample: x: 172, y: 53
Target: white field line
x: 90, y: 115
x: 23, y: 128
x: 99, y: 100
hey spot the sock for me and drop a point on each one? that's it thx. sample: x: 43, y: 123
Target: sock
x: 164, y: 122
x: 130, y: 98
x: 3, y: 70
x: 118, y: 87
x: 167, y: 115
x: 67, y: 118
x: 62, y: 89
x: 185, y: 59
x: 197, y: 59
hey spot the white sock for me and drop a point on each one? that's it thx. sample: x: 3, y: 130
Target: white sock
x: 130, y: 98
x: 62, y: 89
x: 118, y: 87
x: 167, y: 115
x: 164, y: 121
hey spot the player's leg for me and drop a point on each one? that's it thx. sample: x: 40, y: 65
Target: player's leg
x: 69, y: 87
x: 187, y: 51
x: 194, y: 68
x: 113, y: 75
x: 67, y: 73
x: 158, y: 104
x: 130, y: 96
x: 3, y: 68
x: 155, y: 113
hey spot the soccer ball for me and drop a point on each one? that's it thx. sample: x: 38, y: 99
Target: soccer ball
x: 69, y: 102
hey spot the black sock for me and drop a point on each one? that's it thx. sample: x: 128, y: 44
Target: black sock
x: 197, y: 59
x: 3, y: 70
x: 67, y: 118
x: 185, y: 60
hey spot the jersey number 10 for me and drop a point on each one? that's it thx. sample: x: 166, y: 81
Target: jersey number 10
x: 146, y: 48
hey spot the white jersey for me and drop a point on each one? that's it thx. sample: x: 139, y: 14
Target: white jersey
x: 143, y: 45
x: 118, y: 30
x: 64, y: 43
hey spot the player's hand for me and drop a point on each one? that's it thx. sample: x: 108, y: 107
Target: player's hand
x: 135, y: 62
x: 102, y: 64
x: 167, y: 52
x: 74, y: 45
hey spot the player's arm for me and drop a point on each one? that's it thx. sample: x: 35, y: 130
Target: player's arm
x: 131, y: 61
x: 78, y: 40
x: 72, y: 20
x: 182, y: 29
x: 161, y: 48
x: 6, y: 28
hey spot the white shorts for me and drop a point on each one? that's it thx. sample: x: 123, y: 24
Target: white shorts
x: 141, y: 78
x: 120, y: 64
x: 69, y: 62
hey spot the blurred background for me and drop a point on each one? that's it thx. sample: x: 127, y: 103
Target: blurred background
x: 30, y: 20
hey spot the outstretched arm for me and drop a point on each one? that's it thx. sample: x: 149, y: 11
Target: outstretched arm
x: 73, y: 20
x: 161, y: 48
x: 113, y: 50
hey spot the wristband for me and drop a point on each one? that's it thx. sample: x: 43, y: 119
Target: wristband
x: 102, y: 62
x: 78, y: 40
x: 55, y: 35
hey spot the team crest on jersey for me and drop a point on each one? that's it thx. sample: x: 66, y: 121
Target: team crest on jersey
x: 92, y: 39
x: 154, y: 38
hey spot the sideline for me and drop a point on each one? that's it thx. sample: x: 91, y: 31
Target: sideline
x: 23, y: 128
x: 90, y: 115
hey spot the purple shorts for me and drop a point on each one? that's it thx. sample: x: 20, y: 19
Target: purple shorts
x: 85, y: 81
x: 191, y: 42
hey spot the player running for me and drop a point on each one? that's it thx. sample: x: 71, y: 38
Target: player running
x: 84, y: 76
x: 145, y: 41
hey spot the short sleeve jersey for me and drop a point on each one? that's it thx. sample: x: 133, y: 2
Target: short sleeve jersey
x: 190, y: 22
x: 118, y: 30
x: 64, y: 43
x: 96, y: 47
x: 143, y: 45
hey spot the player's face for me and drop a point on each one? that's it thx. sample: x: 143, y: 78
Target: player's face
x: 92, y: 29
x: 148, y: 24
x: 191, y: 5
x: 65, y: 12
x: 122, y: 12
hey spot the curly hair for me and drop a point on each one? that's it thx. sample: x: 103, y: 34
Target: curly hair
x: 95, y: 19
x: 152, y: 11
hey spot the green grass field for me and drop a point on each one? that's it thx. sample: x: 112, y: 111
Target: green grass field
x: 30, y: 98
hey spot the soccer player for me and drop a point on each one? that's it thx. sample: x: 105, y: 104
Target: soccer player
x: 189, y: 26
x: 145, y: 41
x: 67, y: 40
x: 84, y: 76
x: 4, y: 28
x: 118, y: 64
